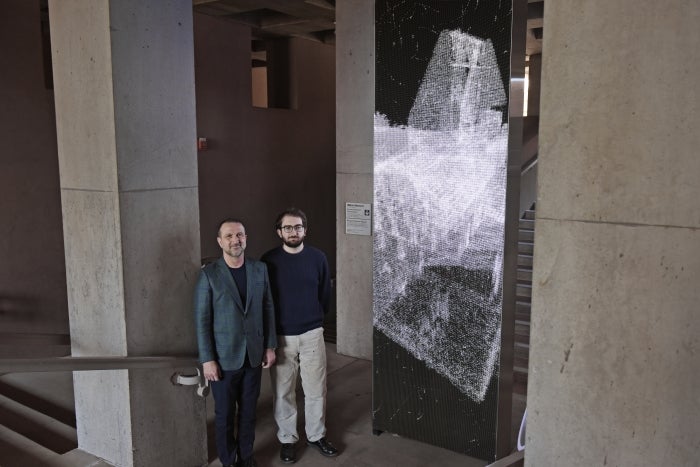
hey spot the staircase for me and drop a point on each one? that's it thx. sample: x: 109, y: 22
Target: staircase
x: 37, y: 422
x: 526, y: 239
x: 521, y: 341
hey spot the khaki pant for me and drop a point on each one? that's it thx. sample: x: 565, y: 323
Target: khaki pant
x: 305, y: 353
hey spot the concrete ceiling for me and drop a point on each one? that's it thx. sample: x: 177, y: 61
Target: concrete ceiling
x: 533, y: 42
x: 315, y: 19
x: 270, y: 19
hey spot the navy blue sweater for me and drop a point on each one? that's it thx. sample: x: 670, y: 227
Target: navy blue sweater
x: 301, y: 288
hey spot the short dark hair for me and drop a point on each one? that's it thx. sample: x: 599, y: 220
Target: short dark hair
x: 232, y: 220
x: 295, y: 212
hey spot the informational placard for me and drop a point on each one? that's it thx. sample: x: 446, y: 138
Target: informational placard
x: 358, y: 219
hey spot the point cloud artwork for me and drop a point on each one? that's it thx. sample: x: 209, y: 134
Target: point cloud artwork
x: 439, y: 193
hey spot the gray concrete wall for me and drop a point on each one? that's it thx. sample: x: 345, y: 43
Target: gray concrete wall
x: 32, y: 276
x: 124, y: 93
x: 260, y: 160
x: 354, y: 171
x: 615, y: 331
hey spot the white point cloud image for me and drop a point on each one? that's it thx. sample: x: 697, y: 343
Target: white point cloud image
x: 439, y: 195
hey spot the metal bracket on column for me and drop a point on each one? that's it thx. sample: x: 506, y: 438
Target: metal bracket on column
x: 521, y: 433
x: 191, y: 380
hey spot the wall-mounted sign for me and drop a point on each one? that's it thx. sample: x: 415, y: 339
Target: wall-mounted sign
x: 358, y: 219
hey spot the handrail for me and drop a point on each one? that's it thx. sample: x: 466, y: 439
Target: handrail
x: 527, y: 166
x: 33, y: 365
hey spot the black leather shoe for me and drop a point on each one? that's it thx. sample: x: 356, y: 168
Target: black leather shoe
x: 287, y: 454
x: 324, y: 447
x: 249, y: 462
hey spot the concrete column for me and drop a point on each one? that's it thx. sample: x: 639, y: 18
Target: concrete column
x: 125, y: 111
x: 354, y: 171
x: 615, y: 332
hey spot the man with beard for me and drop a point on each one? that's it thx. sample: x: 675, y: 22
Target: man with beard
x: 235, y: 320
x: 301, y: 289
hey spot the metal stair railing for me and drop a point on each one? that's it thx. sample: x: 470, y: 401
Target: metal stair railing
x: 99, y: 363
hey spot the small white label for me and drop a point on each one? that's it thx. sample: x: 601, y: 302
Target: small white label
x: 358, y: 219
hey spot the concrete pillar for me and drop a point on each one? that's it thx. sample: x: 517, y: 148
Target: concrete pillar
x: 125, y: 111
x: 354, y: 171
x: 615, y: 333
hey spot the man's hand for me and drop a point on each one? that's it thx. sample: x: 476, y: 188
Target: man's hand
x: 211, y: 371
x: 269, y: 358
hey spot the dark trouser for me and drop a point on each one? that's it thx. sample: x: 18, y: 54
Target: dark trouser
x: 238, y: 388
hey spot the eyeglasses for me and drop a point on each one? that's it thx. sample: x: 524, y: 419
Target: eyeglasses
x: 292, y: 228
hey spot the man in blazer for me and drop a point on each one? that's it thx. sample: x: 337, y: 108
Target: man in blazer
x: 235, y: 320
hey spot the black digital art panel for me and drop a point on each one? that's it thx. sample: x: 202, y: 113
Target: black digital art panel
x: 440, y: 167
